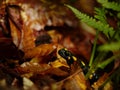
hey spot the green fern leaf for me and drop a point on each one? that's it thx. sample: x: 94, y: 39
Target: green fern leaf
x: 108, y: 31
x: 110, y: 5
x: 100, y: 15
x: 114, y: 46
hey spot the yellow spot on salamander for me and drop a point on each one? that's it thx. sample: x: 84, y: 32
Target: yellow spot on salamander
x: 91, y: 76
x: 69, y: 58
x: 83, y: 63
x: 65, y: 49
x: 74, y: 58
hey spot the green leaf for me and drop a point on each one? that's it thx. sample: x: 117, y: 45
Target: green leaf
x: 108, y: 31
x: 114, y: 46
x: 118, y: 15
x: 100, y: 15
x: 110, y: 5
x: 103, y: 64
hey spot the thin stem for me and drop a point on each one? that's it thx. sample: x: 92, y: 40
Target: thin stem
x: 109, y: 60
x: 94, y: 47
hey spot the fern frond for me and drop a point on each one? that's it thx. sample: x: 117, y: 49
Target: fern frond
x: 100, y: 15
x: 108, y: 31
x: 110, y: 5
x: 114, y: 46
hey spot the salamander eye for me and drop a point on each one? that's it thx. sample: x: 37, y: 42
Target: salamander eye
x: 62, y: 53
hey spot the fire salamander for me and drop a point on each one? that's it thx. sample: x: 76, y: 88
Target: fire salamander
x: 70, y: 58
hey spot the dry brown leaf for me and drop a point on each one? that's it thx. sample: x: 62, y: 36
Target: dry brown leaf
x: 15, y: 33
x: 41, y: 50
x: 57, y: 72
x: 57, y: 64
x: 27, y: 39
x: 76, y: 81
x: 29, y: 67
x: 23, y: 39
